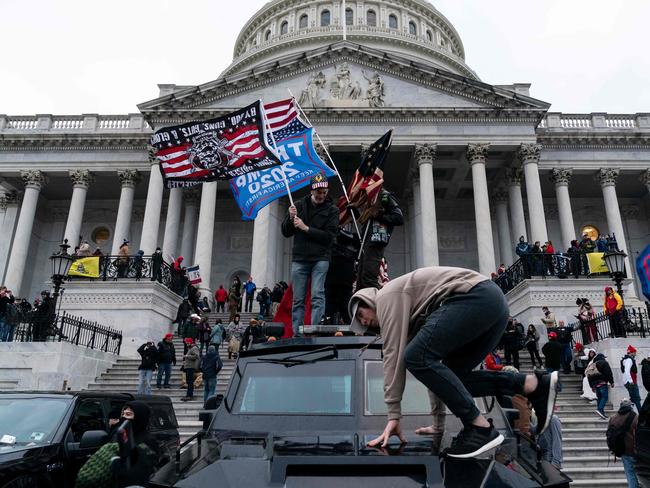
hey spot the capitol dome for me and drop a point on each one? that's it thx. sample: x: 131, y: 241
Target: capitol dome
x: 411, y: 28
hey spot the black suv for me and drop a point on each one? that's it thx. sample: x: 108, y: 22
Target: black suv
x: 301, y: 412
x: 46, y: 437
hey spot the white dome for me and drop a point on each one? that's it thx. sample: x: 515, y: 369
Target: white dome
x: 412, y: 28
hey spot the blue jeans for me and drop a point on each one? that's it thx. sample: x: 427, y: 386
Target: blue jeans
x: 567, y: 357
x: 5, y: 330
x: 602, y: 393
x: 165, y: 368
x: 209, y: 387
x: 633, y: 390
x: 630, y: 473
x: 144, y: 381
x: 455, y: 338
x: 301, y: 271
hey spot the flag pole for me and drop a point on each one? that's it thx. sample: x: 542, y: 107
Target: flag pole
x: 329, y: 156
x: 275, y: 147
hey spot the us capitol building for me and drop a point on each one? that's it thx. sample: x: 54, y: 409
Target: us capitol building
x: 474, y: 165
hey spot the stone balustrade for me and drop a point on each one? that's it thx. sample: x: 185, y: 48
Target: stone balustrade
x: 556, y: 120
x: 72, y: 123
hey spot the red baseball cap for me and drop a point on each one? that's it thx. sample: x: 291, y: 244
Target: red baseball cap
x: 631, y: 349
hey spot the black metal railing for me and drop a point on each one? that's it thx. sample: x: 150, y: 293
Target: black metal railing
x: 34, y: 327
x: 537, y: 265
x: 628, y: 322
x: 138, y: 268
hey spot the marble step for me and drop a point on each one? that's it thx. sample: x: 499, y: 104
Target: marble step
x: 599, y: 472
x: 605, y: 482
x: 589, y: 461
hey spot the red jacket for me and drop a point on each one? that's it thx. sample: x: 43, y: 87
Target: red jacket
x: 221, y: 295
x: 493, y: 363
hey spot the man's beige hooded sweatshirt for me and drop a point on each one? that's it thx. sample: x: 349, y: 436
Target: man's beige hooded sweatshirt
x: 398, y: 304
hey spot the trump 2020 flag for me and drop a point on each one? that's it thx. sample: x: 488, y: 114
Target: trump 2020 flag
x: 300, y: 162
x: 216, y: 149
x: 194, y: 274
x: 643, y: 271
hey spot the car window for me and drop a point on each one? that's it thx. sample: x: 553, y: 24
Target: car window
x: 30, y: 420
x: 415, y: 400
x: 89, y: 416
x: 319, y: 388
x: 162, y: 417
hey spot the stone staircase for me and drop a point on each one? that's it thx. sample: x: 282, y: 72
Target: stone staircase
x: 123, y: 377
x: 586, y: 457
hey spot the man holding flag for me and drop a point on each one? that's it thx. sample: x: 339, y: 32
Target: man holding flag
x: 313, y: 223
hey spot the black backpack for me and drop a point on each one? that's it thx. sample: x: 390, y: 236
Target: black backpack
x: 616, y: 435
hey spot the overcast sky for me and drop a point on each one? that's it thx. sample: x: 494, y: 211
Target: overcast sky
x: 84, y: 56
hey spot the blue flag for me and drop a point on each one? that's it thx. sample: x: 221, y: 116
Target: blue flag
x: 254, y: 191
x: 643, y: 271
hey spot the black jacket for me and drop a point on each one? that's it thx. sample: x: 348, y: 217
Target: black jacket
x: 323, y: 222
x: 166, y: 353
x: 381, y: 227
x: 645, y: 375
x: 149, y: 356
x: 211, y: 364
x: 604, y: 371
x: 511, y: 340
x: 254, y: 334
x: 552, y: 351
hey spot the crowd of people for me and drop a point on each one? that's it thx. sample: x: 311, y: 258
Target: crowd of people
x: 38, y: 317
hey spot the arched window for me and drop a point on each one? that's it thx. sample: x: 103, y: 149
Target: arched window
x: 429, y: 36
x: 349, y: 16
x: 413, y: 30
x: 371, y: 18
x: 392, y: 21
x: 284, y: 28
x: 267, y: 36
x: 325, y: 18
x: 303, y: 22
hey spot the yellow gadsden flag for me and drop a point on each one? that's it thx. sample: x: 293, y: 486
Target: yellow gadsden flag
x: 85, y: 267
x: 597, y: 263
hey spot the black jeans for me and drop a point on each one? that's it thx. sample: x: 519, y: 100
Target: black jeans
x: 221, y: 307
x: 534, y: 354
x: 249, y: 302
x: 368, y: 276
x: 511, y: 357
x: 455, y: 338
x: 189, y: 377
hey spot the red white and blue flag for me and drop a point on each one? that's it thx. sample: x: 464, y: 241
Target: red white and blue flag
x: 217, y: 149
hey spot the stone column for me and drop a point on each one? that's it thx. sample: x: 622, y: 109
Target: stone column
x: 172, y: 222
x: 562, y: 178
x: 607, y: 178
x: 417, y: 221
x: 9, y: 215
x: 529, y: 157
x: 191, y: 197
x: 34, y: 181
x: 517, y: 217
x: 81, y: 180
x: 477, y: 155
x: 266, y: 237
x: 128, y: 179
x: 424, y: 156
x: 205, y: 235
x: 151, y: 224
x: 500, y: 197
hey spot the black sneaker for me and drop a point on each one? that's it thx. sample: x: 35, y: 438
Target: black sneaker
x: 543, y: 399
x: 474, y: 441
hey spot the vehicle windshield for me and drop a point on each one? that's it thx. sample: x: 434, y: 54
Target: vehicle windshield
x: 30, y: 420
x: 415, y: 400
x: 310, y: 389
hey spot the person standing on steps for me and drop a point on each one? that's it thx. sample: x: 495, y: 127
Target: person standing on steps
x: 630, y: 372
x: 249, y: 289
x: 599, y: 374
x: 220, y: 297
x: 620, y: 436
x: 552, y: 353
x: 532, y: 344
x: 191, y: 363
x: 511, y: 342
x: 439, y: 323
x: 166, y: 358
x: 149, y: 356
x: 211, y: 364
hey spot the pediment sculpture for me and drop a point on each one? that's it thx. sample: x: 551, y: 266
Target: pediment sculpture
x: 341, y: 89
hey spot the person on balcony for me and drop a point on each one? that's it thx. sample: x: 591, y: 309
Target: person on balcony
x: 536, y: 258
x: 138, y: 264
x: 179, y: 285
x: 157, y: 261
x: 522, y: 249
x: 122, y: 261
x: 84, y: 250
x: 613, y: 306
x: 549, y: 250
x: 575, y: 256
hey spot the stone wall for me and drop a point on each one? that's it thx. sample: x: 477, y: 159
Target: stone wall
x: 50, y: 365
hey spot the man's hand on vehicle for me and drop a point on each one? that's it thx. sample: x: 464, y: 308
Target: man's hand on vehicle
x: 392, y: 428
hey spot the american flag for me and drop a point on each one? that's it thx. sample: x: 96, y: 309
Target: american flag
x: 283, y: 119
x: 367, y: 181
